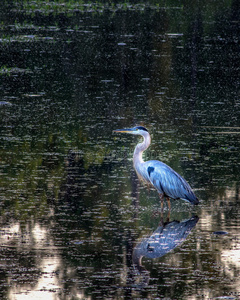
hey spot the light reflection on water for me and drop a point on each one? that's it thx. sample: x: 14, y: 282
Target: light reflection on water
x: 214, y: 260
x: 71, y: 211
x: 34, y: 262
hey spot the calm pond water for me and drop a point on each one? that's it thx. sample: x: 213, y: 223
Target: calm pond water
x: 74, y: 221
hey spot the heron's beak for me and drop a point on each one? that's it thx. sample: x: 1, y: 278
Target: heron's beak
x: 126, y: 130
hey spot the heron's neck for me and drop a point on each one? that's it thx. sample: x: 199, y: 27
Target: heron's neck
x: 137, y: 156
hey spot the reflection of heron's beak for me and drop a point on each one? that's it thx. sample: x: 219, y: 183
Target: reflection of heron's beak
x: 126, y: 130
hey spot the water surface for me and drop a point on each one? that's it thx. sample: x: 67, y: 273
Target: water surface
x: 72, y: 212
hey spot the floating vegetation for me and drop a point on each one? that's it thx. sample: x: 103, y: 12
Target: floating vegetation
x: 4, y: 70
x: 24, y: 38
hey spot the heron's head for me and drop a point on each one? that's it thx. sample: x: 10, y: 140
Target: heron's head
x: 139, y: 130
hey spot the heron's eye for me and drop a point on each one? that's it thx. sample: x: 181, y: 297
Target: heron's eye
x: 137, y: 129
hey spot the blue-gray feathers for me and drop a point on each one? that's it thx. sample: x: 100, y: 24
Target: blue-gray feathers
x: 169, y: 182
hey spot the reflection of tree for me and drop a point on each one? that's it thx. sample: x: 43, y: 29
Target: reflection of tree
x: 90, y: 227
x: 24, y: 258
x: 210, y: 78
x: 215, y: 168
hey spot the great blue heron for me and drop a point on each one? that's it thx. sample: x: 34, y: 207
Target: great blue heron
x: 168, y: 183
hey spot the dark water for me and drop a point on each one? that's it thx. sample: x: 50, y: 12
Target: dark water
x: 75, y: 223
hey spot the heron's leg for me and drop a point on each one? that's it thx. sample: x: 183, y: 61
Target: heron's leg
x: 169, y: 203
x: 161, y: 196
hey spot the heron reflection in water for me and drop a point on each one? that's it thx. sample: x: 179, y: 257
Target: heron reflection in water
x: 164, y: 239
x: 157, y: 174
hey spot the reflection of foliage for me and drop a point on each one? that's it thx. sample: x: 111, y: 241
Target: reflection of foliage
x: 218, y: 160
x: 30, y: 177
x: 70, y: 6
x: 211, y: 54
x: 34, y: 171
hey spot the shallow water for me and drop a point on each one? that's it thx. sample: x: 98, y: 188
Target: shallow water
x: 73, y: 216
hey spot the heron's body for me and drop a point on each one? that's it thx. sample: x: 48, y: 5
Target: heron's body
x: 167, y: 182
x: 157, y: 174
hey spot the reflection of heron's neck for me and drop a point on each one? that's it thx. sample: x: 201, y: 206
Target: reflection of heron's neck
x: 137, y: 260
x: 137, y: 257
x: 137, y: 156
x: 138, y: 268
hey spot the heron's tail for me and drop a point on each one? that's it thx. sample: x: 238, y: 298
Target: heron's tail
x: 192, y: 199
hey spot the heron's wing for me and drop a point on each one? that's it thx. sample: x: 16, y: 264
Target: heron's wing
x: 169, y: 182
